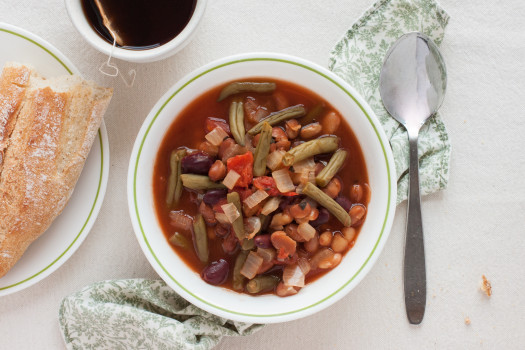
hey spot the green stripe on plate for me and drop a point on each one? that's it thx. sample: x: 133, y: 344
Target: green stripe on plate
x: 155, y: 118
x: 99, y: 182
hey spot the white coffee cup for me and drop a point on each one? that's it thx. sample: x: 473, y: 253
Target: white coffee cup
x: 76, y: 13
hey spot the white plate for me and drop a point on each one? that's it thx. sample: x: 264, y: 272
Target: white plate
x: 70, y: 229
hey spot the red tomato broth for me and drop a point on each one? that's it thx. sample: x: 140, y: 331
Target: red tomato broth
x: 188, y: 130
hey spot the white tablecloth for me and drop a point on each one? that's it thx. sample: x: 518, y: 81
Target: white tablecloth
x: 473, y: 228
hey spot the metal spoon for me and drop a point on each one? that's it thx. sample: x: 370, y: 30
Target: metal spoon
x: 412, y: 85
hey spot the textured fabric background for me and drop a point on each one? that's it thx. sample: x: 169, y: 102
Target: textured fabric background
x: 474, y: 227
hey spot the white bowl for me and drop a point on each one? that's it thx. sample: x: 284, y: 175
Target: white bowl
x: 317, y: 295
x: 76, y: 14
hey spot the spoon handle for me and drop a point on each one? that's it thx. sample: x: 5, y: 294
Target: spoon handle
x: 414, y: 268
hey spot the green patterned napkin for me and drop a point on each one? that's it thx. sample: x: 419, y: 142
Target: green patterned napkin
x: 143, y: 314
x: 358, y: 58
x: 140, y: 314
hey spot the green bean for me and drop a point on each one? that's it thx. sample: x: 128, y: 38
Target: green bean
x: 237, y: 122
x: 262, y: 284
x: 247, y: 244
x: 179, y: 240
x: 310, y: 149
x: 199, y: 182
x: 262, y: 150
x: 279, y: 116
x: 244, y: 86
x: 238, y: 279
x: 333, y: 166
x: 324, y: 200
x: 174, y: 181
x: 313, y: 114
x: 200, y: 238
x: 238, y: 224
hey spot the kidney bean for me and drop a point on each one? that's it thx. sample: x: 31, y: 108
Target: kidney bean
x: 344, y: 202
x: 216, y: 273
x: 212, y: 197
x: 230, y: 244
x: 323, y: 218
x: 197, y: 163
x: 263, y: 241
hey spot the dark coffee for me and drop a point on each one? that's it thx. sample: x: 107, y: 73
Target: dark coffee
x: 138, y: 24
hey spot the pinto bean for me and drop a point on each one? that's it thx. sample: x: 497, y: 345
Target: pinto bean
x: 217, y: 171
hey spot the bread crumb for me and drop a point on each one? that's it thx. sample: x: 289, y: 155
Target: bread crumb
x: 486, y: 286
x: 467, y: 321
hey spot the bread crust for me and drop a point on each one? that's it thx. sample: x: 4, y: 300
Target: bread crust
x: 55, y: 127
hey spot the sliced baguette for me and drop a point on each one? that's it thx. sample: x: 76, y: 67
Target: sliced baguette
x: 55, y: 127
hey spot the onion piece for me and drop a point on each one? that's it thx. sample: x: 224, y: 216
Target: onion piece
x: 293, y: 276
x: 305, y: 165
x: 216, y: 136
x: 256, y: 198
x: 274, y: 159
x: 251, y: 265
x: 230, y: 211
x: 283, y: 181
x: 222, y: 218
x: 306, y: 231
x: 271, y: 205
x: 231, y: 179
x: 252, y: 226
x: 181, y: 220
x: 268, y: 254
x: 304, y: 265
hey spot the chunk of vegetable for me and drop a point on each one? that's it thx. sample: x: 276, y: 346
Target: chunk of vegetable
x: 262, y: 284
x: 283, y: 181
x: 199, y: 182
x: 238, y: 279
x: 243, y: 165
x: 231, y: 212
x: 180, y: 220
x: 179, y: 240
x: 231, y: 179
x: 324, y: 200
x: 216, y: 136
x: 256, y: 198
x: 200, y: 238
x: 267, y: 184
x: 278, y: 117
x: 251, y: 265
x: 238, y: 224
x: 293, y: 276
x: 310, y: 149
x: 334, y: 165
x: 313, y: 114
x: 274, y: 160
x: 237, y: 122
x: 270, y: 206
x: 285, y: 245
x: 262, y: 150
x: 242, y: 86
x: 174, y: 181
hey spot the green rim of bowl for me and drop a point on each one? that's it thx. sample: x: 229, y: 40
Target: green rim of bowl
x: 362, y: 109
x: 99, y: 182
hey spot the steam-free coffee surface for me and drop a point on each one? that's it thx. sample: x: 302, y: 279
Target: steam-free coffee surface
x: 139, y: 24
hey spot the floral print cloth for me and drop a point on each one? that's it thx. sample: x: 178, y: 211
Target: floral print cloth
x: 140, y: 314
x: 145, y: 314
x: 358, y: 58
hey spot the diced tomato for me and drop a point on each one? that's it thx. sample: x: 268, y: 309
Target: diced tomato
x: 243, y: 192
x: 243, y: 165
x: 290, y: 194
x: 217, y: 206
x: 212, y: 123
x: 266, y: 183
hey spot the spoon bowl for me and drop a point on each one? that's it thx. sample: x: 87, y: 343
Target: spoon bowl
x: 412, y: 84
